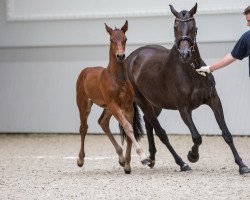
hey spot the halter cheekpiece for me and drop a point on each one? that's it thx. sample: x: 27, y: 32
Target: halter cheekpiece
x: 185, y: 37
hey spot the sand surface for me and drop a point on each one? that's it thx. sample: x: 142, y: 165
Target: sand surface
x: 44, y: 167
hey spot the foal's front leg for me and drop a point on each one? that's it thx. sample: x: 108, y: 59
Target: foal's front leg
x: 126, y: 125
x: 104, y: 123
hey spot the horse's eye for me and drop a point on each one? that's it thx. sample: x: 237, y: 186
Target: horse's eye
x: 111, y: 40
x: 126, y: 39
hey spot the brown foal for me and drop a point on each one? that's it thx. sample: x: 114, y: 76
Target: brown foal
x: 110, y: 89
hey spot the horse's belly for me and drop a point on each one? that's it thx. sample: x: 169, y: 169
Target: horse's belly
x: 160, y: 99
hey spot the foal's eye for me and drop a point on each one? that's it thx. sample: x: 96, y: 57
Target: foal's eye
x: 111, y: 40
x: 125, y: 39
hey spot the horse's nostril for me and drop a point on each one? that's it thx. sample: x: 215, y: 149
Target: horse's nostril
x: 185, y: 54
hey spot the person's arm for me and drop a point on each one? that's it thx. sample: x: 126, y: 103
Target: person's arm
x: 228, y: 59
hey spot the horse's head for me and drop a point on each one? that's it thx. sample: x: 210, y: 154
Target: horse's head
x: 185, y: 32
x: 118, y: 40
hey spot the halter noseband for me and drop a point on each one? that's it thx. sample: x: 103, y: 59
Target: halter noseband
x: 184, y: 37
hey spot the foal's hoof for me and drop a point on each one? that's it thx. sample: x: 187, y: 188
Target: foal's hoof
x: 244, y: 170
x: 127, y: 171
x: 146, y: 161
x: 185, y: 167
x: 122, y: 163
x: 151, y: 164
x: 80, y: 162
x: 192, y: 157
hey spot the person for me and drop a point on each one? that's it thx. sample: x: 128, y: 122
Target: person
x: 240, y: 51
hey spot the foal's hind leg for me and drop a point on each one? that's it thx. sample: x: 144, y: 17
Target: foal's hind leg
x: 127, y: 167
x: 84, y: 108
x: 216, y: 106
x: 104, y: 123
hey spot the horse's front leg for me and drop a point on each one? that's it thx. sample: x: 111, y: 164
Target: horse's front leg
x: 216, y: 106
x: 104, y: 123
x: 126, y: 125
x: 193, y: 155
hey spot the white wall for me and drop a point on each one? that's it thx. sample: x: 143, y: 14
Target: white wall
x: 45, y: 44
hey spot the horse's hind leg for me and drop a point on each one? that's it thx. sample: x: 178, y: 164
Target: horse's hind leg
x: 150, y: 136
x: 193, y: 155
x: 84, y: 105
x: 151, y: 142
x: 216, y: 106
x: 151, y: 118
x: 104, y: 123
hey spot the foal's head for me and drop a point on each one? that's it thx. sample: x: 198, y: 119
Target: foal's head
x: 118, y: 40
x: 185, y: 32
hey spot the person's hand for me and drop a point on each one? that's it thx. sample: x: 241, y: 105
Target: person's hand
x: 203, y: 69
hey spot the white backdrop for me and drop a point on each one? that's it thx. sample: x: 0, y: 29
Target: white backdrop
x: 45, y: 44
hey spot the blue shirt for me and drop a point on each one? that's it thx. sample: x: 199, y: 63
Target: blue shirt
x: 242, y: 48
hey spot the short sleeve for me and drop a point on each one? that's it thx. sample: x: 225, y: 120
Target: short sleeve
x: 242, y: 47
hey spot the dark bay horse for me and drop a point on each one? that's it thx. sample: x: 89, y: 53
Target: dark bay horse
x: 166, y: 79
x: 111, y: 89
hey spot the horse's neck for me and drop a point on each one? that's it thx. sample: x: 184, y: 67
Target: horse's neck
x: 196, y: 58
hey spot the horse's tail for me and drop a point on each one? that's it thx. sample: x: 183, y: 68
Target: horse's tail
x: 137, y: 125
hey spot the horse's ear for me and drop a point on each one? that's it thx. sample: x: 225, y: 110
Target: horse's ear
x: 125, y: 27
x: 174, y: 11
x: 193, y: 10
x: 109, y: 30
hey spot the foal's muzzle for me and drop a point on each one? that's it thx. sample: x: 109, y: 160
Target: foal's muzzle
x: 120, y: 56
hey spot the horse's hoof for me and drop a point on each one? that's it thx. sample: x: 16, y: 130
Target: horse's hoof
x: 146, y: 161
x: 122, y: 163
x: 151, y: 164
x: 244, y: 170
x: 185, y: 167
x: 192, y: 157
x: 80, y: 162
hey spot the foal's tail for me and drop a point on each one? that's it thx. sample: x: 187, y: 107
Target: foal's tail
x: 137, y: 125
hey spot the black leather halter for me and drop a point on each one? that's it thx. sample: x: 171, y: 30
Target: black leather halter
x: 192, y: 41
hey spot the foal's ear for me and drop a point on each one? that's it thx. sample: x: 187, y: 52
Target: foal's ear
x: 125, y: 27
x: 193, y: 10
x: 109, y: 30
x: 176, y: 14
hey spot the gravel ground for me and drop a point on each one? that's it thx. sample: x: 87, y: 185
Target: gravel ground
x: 42, y: 166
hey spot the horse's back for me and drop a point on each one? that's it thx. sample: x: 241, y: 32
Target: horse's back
x: 147, y: 59
x: 148, y: 51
